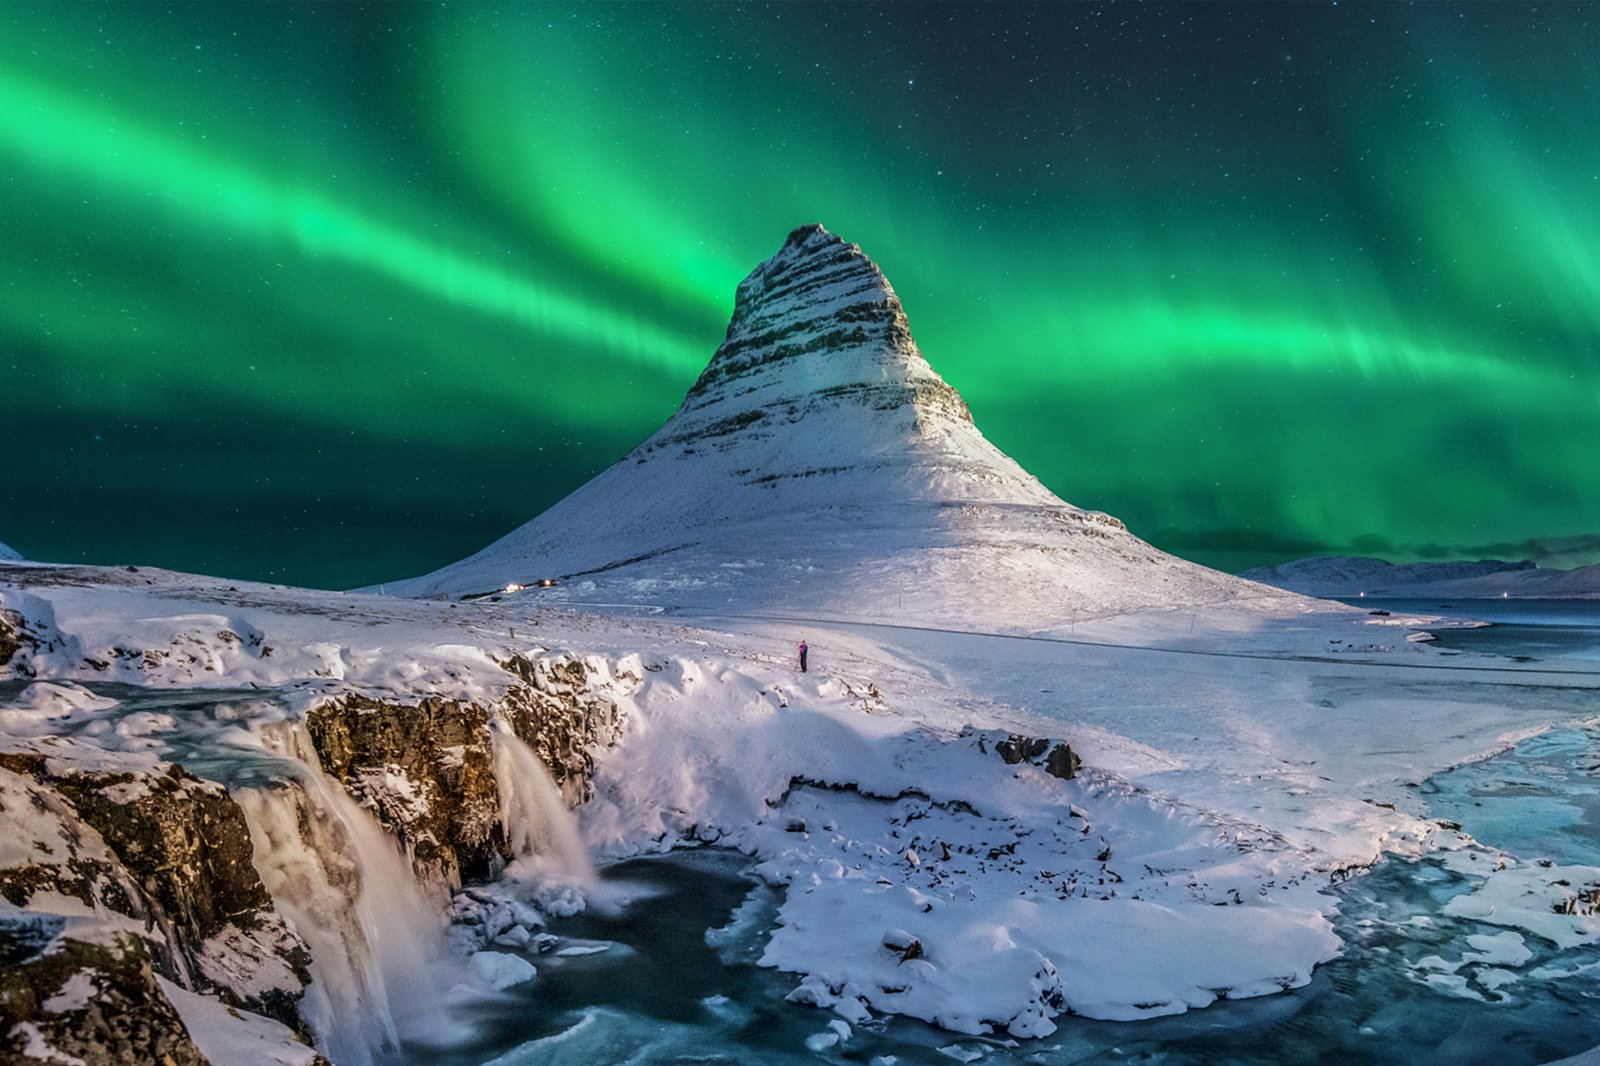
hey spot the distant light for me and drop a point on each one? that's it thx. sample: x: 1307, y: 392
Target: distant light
x: 1363, y: 595
x: 1505, y: 595
x: 514, y: 587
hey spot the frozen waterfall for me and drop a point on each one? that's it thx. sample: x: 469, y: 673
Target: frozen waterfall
x: 379, y: 960
x: 541, y: 831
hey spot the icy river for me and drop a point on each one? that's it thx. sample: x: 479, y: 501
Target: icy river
x: 677, y: 980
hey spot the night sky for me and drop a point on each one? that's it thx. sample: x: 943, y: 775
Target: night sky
x: 336, y: 293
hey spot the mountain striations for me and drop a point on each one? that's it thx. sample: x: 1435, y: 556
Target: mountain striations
x: 821, y: 466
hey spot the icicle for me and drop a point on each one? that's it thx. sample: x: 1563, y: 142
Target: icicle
x: 377, y: 943
x: 540, y: 829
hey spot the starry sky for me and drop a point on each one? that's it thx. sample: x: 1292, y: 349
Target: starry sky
x: 329, y: 294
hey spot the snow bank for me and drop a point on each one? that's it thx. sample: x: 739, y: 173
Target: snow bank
x: 235, y: 1037
x: 1561, y: 904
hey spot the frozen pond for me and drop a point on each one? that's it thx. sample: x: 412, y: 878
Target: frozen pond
x: 1527, y: 630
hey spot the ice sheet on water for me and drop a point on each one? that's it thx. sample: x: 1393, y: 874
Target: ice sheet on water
x: 1540, y: 800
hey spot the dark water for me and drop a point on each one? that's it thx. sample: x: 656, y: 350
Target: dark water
x: 1527, y: 630
x: 677, y: 983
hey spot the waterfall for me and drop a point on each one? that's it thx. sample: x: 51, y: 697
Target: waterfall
x: 380, y: 965
x: 540, y: 829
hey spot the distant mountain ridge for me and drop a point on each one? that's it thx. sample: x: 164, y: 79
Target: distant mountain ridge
x: 1347, y: 576
x: 9, y: 554
x: 820, y: 463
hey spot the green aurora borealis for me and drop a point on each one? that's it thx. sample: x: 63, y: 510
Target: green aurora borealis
x: 336, y: 293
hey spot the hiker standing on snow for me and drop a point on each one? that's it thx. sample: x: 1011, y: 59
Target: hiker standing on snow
x: 803, y: 650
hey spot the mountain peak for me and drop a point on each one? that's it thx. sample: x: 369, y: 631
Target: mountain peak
x: 820, y: 315
x: 819, y: 464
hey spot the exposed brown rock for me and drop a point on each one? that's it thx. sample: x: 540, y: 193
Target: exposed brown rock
x: 10, y: 642
x: 1059, y: 761
x: 124, y: 1019
x: 558, y: 712
x: 426, y: 770
x: 170, y: 851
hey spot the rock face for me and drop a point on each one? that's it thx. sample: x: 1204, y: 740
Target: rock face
x: 563, y: 711
x: 1058, y: 760
x: 821, y: 465
x: 97, y: 1002
x: 171, y: 852
x: 50, y: 849
x: 817, y: 296
x: 426, y: 769
x: 10, y: 637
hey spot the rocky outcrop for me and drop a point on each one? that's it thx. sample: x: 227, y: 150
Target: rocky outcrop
x: 819, y: 295
x: 93, y: 1003
x: 47, y: 847
x: 17, y: 643
x: 168, y: 851
x: 426, y: 770
x: 1058, y: 760
x: 10, y: 637
x: 563, y: 712
x: 28, y: 631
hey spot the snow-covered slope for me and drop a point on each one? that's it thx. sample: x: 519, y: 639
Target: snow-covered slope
x: 1346, y: 576
x: 821, y: 465
x: 9, y: 554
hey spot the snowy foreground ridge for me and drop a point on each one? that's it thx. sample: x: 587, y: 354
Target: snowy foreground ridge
x: 444, y: 769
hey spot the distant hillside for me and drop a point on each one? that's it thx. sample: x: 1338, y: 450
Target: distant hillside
x: 1347, y: 576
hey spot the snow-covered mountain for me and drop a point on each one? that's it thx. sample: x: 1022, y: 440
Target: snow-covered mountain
x: 1352, y: 576
x: 821, y: 465
x: 9, y: 554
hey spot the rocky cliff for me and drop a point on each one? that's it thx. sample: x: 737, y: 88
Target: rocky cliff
x: 162, y: 861
x: 98, y: 820
x: 96, y: 1002
x: 426, y: 768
